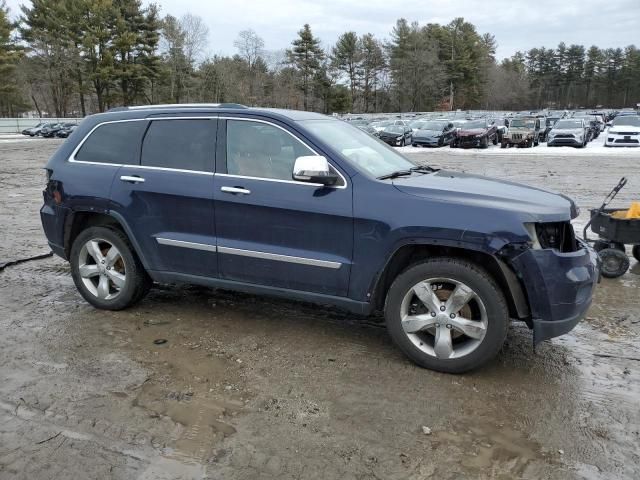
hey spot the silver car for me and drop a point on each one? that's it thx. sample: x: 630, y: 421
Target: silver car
x: 569, y: 132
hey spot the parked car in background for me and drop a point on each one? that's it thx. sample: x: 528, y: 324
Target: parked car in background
x: 549, y: 122
x: 380, y: 126
x: 624, y: 132
x: 572, y: 132
x: 450, y: 258
x: 476, y: 133
x: 594, y: 126
x: 397, y: 135
x: 502, y: 125
x: 523, y: 132
x: 33, y: 131
x: 433, y: 133
x: 66, y: 130
x: 51, y: 130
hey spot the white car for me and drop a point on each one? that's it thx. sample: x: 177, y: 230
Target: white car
x: 624, y: 132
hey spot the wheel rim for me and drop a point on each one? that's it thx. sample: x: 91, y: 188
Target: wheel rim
x: 444, y: 318
x: 102, y: 269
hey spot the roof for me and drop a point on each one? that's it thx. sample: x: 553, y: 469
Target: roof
x: 134, y: 111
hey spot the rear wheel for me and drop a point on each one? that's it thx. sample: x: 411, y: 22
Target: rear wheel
x: 106, y: 270
x: 614, y: 262
x: 447, y: 314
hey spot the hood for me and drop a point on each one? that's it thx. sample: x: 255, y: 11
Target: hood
x: 576, y: 131
x: 624, y: 128
x: 427, y: 133
x: 386, y: 133
x: 471, y: 132
x: 530, y: 203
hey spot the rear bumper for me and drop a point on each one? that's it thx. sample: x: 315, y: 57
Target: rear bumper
x: 559, y: 287
x: 53, y: 220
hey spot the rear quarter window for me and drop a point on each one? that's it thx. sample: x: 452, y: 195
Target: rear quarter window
x: 113, y: 143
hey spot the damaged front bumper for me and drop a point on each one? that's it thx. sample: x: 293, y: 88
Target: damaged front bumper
x: 559, y: 287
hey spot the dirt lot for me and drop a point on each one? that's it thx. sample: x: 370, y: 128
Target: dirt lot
x: 247, y: 387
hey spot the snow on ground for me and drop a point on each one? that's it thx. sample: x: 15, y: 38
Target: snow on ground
x: 16, y: 137
x: 594, y: 147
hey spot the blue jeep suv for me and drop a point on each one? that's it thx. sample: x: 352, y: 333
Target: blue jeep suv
x: 303, y: 206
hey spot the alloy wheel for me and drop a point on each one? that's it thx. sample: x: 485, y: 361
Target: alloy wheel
x: 444, y: 318
x: 102, y: 269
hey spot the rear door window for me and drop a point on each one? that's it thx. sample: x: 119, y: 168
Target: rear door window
x: 180, y: 144
x: 117, y: 143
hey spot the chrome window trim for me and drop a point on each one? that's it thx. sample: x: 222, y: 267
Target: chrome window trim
x: 72, y: 157
x: 184, y: 244
x: 280, y: 258
x: 244, y: 119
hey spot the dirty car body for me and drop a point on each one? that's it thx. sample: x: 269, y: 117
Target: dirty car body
x: 347, y: 236
x: 476, y: 133
x: 523, y: 132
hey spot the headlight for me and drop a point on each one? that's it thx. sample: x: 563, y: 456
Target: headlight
x: 399, y: 138
x: 531, y: 230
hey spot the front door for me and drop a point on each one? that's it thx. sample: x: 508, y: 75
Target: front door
x: 167, y: 200
x: 270, y: 229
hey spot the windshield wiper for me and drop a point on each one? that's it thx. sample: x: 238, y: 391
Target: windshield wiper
x: 424, y: 168
x: 396, y: 174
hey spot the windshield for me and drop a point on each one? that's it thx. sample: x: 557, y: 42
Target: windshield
x: 382, y: 123
x: 438, y: 126
x: 358, y: 122
x: 359, y: 148
x: 631, y: 120
x: 394, y: 129
x: 568, y: 124
x: 475, y: 124
x: 521, y: 122
x: 551, y: 121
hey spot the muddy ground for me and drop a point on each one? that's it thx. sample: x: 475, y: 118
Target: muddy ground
x: 248, y: 387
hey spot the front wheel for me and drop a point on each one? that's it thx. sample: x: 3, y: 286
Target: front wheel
x: 106, y: 270
x: 636, y: 252
x: 447, y: 314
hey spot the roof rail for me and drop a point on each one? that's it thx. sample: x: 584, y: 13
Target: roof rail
x: 178, y: 105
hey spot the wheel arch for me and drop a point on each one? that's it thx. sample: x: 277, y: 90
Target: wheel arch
x: 79, y: 220
x: 411, y: 253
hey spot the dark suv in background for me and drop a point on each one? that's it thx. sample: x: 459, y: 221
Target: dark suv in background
x: 303, y: 206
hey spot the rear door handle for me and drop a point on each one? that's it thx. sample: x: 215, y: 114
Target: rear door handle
x: 243, y: 191
x: 132, y: 178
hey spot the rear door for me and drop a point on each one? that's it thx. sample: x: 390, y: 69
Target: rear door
x: 167, y: 198
x: 272, y: 230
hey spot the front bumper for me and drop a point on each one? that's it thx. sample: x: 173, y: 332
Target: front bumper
x: 426, y: 142
x: 615, y: 140
x: 559, y: 287
x: 469, y: 142
x: 564, y: 142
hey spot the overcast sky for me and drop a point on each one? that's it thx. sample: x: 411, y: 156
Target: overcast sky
x: 516, y: 24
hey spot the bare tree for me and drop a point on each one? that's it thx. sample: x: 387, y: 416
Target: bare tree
x: 196, y: 37
x: 250, y: 46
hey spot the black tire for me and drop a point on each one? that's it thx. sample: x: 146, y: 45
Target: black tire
x: 475, y: 278
x: 495, y: 139
x: 484, y: 142
x: 636, y: 252
x: 503, y: 145
x: 137, y: 281
x: 536, y: 141
x: 614, y: 262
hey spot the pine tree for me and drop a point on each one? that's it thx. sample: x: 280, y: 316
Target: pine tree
x: 306, y: 56
x: 10, y: 97
x: 347, y: 57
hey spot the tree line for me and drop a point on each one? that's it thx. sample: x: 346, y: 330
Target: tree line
x: 76, y: 57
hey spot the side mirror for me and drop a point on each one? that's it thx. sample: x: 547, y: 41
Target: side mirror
x: 313, y: 169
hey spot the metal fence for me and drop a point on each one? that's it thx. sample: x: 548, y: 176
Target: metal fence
x: 16, y: 125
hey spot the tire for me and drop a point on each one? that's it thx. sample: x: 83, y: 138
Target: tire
x: 636, y: 252
x: 503, y: 145
x: 136, y: 282
x: 495, y: 139
x: 467, y: 353
x: 452, y: 144
x: 614, y: 262
x: 536, y: 141
x: 484, y: 142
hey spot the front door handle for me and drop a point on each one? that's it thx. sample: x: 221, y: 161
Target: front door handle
x: 243, y: 191
x: 132, y: 178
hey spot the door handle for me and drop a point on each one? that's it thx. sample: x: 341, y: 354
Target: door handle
x: 133, y: 179
x: 234, y: 190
